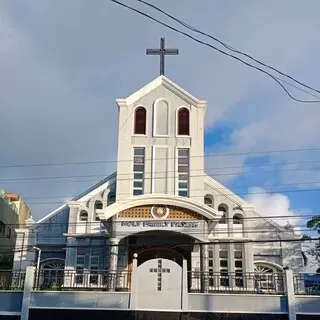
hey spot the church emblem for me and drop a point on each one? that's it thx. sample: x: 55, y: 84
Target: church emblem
x: 159, y: 212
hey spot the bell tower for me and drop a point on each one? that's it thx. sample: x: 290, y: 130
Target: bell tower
x: 160, y: 140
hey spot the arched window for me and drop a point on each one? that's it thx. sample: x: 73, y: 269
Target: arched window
x: 97, y: 206
x: 268, y: 278
x: 52, y: 273
x: 111, y: 198
x: 208, y: 201
x: 83, y: 216
x: 222, y: 208
x: 140, y: 118
x: 183, y: 122
x: 237, y: 219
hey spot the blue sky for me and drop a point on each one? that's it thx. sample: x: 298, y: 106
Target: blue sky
x: 63, y: 65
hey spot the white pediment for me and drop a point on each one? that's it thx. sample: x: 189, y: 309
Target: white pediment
x: 154, y: 199
x: 168, y: 84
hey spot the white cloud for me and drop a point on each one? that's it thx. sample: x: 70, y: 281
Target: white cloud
x: 273, y: 205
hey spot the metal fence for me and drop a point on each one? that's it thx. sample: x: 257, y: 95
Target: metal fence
x: 97, y: 280
x: 238, y: 282
x: 306, y: 284
x: 12, y: 279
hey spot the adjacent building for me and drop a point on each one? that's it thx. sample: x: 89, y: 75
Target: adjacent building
x: 13, y: 214
x: 23, y: 211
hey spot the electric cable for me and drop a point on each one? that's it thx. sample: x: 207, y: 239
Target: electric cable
x: 216, y: 49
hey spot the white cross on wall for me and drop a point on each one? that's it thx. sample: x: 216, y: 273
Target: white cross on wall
x: 160, y: 271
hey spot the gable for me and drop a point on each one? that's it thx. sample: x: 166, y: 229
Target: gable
x: 52, y: 230
x: 225, y: 195
x: 85, y: 196
x: 169, y: 85
x: 220, y: 190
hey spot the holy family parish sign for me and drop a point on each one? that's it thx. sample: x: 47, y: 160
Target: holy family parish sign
x: 160, y: 224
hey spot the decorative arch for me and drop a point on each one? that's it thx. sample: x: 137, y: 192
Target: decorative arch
x: 183, y: 122
x: 268, y: 265
x: 52, y: 263
x: 97, y: 206
x: 159, y: 252
x: 140, y: 120
x: 208, y: 200
x: 237, y: 218
x: 223, y: 208
x: 161, y: 117
x: 166, y: 200
x: 83, y: 216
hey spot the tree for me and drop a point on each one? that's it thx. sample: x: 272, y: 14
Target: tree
x: 314, y: 224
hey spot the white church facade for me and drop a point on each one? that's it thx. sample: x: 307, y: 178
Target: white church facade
x: 161, y: 215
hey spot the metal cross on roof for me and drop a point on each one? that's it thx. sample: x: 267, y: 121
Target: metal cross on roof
x: 162, y: 52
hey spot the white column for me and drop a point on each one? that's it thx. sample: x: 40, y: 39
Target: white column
x: 134, y: 282
x: 195, y: 267
x: 114, y: 249
x: 73, y: 215
x: 249, y: 220
x: 184, y: 302
x: 248, y: 264
x: 216, y: 264
x: 204, y: 268
x: 290, y: 295
x: 70, y: 262
x: 28, y: 286
x: 231, y: 269
x: 229, y: 217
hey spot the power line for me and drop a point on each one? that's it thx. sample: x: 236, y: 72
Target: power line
x: 217, y: 232
x: 93, y: 223
x: 211, y: 243
x: 221, y: 229
x: 230, y: 194
x: 149, y: 159
x: 229, y: 186
x: 215, y: 48
x: 4, y: 180
x: 258, y: 217
x: 207, y: 192
x: 190, y: 27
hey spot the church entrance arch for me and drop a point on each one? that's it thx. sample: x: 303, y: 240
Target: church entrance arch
x: 160, y: 244
x: 160, y: 253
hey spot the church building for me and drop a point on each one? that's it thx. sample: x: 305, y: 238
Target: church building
x: 159, y: 215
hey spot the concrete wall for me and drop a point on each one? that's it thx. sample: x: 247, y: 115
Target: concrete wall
x: 76, y: 300
x: 237, y: 303
x: 308, y: 305
x: 10, y: 302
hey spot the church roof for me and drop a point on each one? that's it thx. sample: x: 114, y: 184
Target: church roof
x: 81, y: 195
x: 167, y: 83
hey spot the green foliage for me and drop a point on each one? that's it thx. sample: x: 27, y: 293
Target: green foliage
x: 314, y: 223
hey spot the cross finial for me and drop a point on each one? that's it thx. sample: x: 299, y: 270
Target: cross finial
x: 162, y: 52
